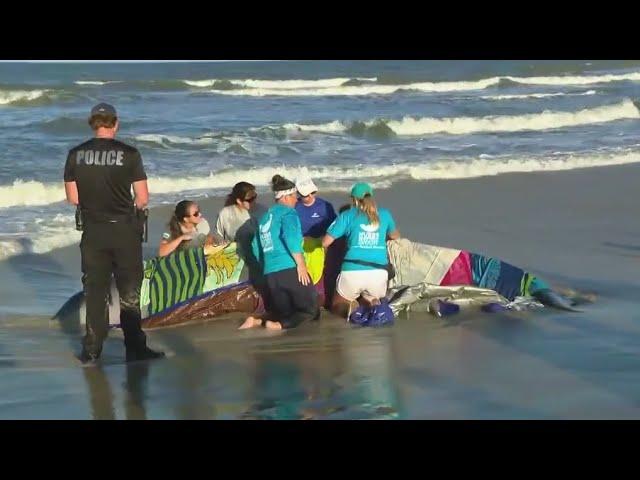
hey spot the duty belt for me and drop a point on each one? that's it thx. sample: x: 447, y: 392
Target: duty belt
x: 93, y: 217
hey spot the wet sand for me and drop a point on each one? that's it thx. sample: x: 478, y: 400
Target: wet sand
x: 576, y: 229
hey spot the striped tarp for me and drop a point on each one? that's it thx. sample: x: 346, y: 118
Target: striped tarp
x: 176, y: 278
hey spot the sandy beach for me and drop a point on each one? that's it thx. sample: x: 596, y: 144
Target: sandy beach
x: 576, y: 229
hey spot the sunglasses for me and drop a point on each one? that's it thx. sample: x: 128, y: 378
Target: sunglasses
x: 251, y: 200
x: 196, y: 213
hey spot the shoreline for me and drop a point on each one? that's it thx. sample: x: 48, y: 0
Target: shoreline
x: 574, y: 228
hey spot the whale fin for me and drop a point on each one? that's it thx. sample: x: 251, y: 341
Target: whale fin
x: 70, y: 306
x: 553, y: 299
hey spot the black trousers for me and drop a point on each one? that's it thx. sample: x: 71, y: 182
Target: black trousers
x: 112, y: 249
x: 291, y: 302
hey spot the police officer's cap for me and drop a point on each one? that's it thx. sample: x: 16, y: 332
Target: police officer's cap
x: 104, y: 109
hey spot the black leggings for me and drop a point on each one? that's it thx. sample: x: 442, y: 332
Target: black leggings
x: 291, y: 302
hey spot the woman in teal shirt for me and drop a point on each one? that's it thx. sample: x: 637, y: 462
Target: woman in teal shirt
x: 367, y: 229
x: 278, y: 246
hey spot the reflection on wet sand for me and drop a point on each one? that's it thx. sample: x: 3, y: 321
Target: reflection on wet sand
x: 101, y: 394
x: 136, y: 390
x: 345, y: 377
x: 190, y: 375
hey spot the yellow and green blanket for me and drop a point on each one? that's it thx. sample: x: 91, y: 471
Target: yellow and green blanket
x: 182, y: 275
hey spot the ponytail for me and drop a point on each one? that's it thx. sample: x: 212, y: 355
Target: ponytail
x: 367, y: 205
x: 174, y: 227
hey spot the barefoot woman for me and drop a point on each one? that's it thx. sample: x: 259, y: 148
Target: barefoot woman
x: 278, y: 246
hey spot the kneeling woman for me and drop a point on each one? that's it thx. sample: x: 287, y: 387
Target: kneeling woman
x: 278, y: 246
x: 364, y: 269
x: 187, y: 229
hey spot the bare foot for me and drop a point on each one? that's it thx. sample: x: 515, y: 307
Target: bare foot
x: 273, y: 325
x: 250, y: 322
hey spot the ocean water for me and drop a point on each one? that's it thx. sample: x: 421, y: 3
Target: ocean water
x: 201, y: 127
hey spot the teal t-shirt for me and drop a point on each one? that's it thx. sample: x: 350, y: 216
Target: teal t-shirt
x: 364, y: 241
x: 278, y: 237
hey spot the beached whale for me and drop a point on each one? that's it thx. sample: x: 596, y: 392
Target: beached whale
x: 209, y: 284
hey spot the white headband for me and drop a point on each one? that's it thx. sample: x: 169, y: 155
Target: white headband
x: 283, y: 193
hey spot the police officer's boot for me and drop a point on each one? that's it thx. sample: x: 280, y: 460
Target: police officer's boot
x: 143, y: 352
x: 87, y: 357
x: 135, y: 344
x: 91, y: 346
x: 135, y: 340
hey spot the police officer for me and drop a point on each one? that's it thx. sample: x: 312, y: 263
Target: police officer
x: 98, y: 177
